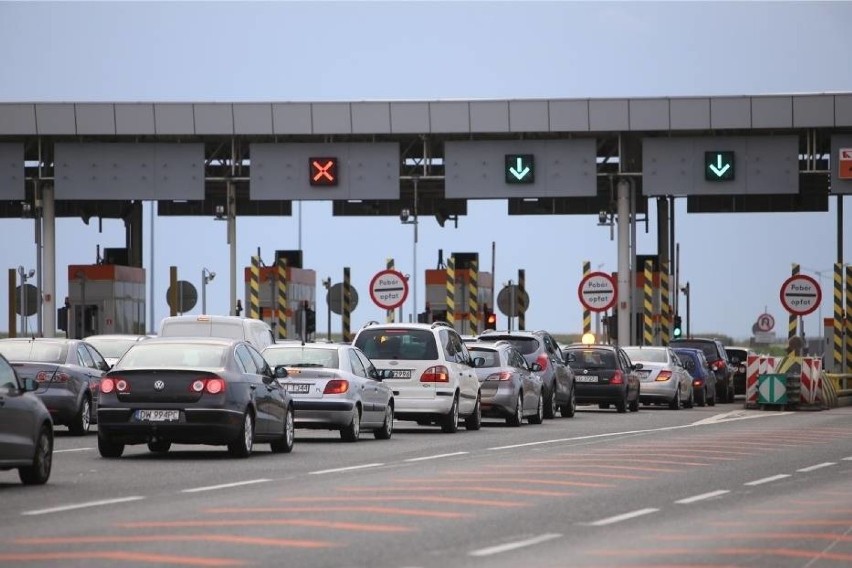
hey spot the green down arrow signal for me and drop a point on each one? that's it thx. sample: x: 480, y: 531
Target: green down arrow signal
x: 519, y: 171
x: 520, y: 168
x: 718, y: 166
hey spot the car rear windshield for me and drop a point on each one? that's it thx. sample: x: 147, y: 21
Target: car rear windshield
x: 112, y: 347
x: 708, y: 347
x: 302, y: 357
x: 492, y: 357
x: 593, y: 358
x: 526, y: 345
x: 398, y: 343
x: 35, y: 351
x: 646, y: 355
x: 737, y: 355
x: 203, y: 329
x: 173, y: 356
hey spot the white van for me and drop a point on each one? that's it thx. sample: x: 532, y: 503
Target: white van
x: 256, y: 332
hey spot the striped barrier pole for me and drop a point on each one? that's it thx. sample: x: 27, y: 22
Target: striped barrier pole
x: 806, y: 389
x: 346, y: 316
x: 838, y: 316
x: 587, y: 313
x: 254, y: 288
x: 791, y: 324
x: 389, y: 316
x: 522, y: 299
x: 648, y: 305
x: 848, y: 367
x: 473, y: 297
x: 451, y: 291
x: 665, y: 308
x: 282, y: 298
x: 753, y: 364
x: 816, y: 373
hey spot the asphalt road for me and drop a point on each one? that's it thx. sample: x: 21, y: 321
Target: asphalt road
x: 703, y: 487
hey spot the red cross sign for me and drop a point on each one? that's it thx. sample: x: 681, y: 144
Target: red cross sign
x: 323, y: 171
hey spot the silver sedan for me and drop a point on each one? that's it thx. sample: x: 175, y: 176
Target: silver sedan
x: 663, y: 378
x: 510, y: 387
x: 334, y: 387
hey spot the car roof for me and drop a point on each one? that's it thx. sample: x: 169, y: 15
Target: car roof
x: 194, y: 340
x: 300, y: 345
x: 109, y: 336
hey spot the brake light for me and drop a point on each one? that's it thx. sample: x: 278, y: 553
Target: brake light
x: 717, y: 365
x: 697, y: 382
x: 44, y: 376
x: 664, y: 376
x: 336, y: 386
x: 617, y: 379
x: 543, y: 361
x: 107, y: 386
x: 501, y: 376
x: 212, y: 385
x: 436, y: 374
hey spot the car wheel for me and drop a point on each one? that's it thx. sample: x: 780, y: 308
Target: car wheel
x: 569, y: 409
x: 515, y: 419
x: 621, y: 405
x: 39, y: 472
x: 474, y: 421
x: 538, y: 417
x: 711, y: 401
x: 674, y: 403
x: 83, y: 419
x: 691, y: 402
x: 284, y: 445
x: 159, y: 446
x: 603, y: 405
x: 550, y: 403
x: 634, y: 404
x: 242, y: 446
x: 109, y: 449
x: 351, y: 432
x: 701, y: 400
x: 450, y: 422
x: 386, y: 431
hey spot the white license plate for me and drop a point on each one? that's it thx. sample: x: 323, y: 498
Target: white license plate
x: 586, y: 379
x: 401, y: 373
x: 298, y: 388
x: 158, y: 415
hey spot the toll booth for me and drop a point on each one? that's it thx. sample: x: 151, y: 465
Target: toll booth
x: 301, y: 293
x: 103, y: 298
x: 436, y: 294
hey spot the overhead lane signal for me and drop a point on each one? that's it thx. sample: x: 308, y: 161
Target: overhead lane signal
x: 519, y: 168
x: 323, y: 171
x: 719, y: 166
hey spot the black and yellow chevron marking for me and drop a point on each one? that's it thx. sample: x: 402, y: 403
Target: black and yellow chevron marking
x: 665, y: 308
x: 346, y: 316
x: 648, y: 304
x: 848, y: 319
x: 791, y: 324
x: 451, y: 291
x: 473, y: 297
x: 522, y: 299
x: 254, y: 288
x: 838, y: 316
x: 282, y: 298
x: 389, y: 316
x: 587, y: 314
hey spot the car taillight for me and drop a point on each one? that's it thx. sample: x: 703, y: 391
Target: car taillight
x: 436, y: 374
x: 213, y: 385
x: 107, y: 386
x: 697, y: 382
x: 543, y: 361
x: 717, y: 365
x: 336, y: 386
x: 44, y: 376
x: 501, y: 376
x: 617, y: 379
x: 664, y: 376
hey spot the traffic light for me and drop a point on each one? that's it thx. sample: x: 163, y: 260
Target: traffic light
x: 490, y: 318
x: 611, y: 324
x: 677, y: 330
x: 310, y: 321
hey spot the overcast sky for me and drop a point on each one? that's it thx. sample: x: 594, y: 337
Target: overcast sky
x: 353, y: 51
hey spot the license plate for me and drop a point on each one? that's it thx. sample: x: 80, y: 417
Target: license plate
x: 586, y: 379
x: 297, y: 388
x: 158, y: 415
x: 401, y: 373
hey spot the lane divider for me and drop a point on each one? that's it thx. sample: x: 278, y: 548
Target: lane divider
x: 623, y: 517
x: 816, y: 467
x: 702, y: 497
x: 509, y: 546
x: 85, y: 505
x: 340, y: 469
x: 767, y: 479
x: 225, y: 485
x: 435, y: 457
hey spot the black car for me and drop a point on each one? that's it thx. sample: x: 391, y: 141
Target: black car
x: 68, y: 373
x: 556, y: 375
x: 604, y: 375
x: 193, y: 391
x: 717, y: 358
x: 26, y: 429
x: 738, y: 357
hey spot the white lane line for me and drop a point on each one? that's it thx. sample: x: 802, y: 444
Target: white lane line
x: 224, y: 486
x: 82, y: 505
x: 72, y: 450
x: 339, y: 469
x: 816, y: 467
x: 509, y: 546
x: 767, y: 479
x: 849, y: 459
x: 702, y: 497
x: 435, y: 457
x: 624, y: 517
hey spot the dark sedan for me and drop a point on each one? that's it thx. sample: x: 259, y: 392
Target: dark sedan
x: 68, y: 372
x: 604, y: 375
x: 193, y: 391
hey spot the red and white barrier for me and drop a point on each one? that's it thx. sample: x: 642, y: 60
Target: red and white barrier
x: 811, y: 381
x: 753, y: 364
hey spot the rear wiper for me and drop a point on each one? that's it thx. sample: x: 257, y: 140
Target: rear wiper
x: 306, y: 365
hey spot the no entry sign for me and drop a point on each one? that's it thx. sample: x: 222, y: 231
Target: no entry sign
x: 388, y: 289
x: 597, y: 291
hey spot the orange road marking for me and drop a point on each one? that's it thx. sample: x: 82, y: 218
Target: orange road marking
x: 457, y: 488
x: 344, y: 509
x: 656, y: 452
x: 788, y: 511
x: 632, y: 455
x: 629, y: 468
x: 117, y: 556
x: 561, y: 472
x: 803, y: 523
x: 435, y: 499
x: 355, y: 527
x: 780, y: 552
x: 226, y: 538
x: 640, y: 460
x: 770, y: 535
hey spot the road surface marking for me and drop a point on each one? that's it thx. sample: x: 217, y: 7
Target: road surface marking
x: 816, y: 467
x: 624, y: 517
x: 435, y: 457
x: 849, y: 459
x: 224, y: 485
x: 702, y: 497
x: 82, y: 505
x: 509, y: 546
x: 71, y: 450
x: 351, y: 468
x: 767, y: 479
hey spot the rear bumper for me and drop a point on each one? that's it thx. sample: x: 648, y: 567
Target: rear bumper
x: 63, y: 405
x: 657, y: 392
x: 499, y: 404
x: 323, y: 414
x: 214, y: 426
x: 600, y: 393
x: 420, y: 408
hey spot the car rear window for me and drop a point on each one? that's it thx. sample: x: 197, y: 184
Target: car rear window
x: 35, y: 351
x: 398, y: 343
x: 526, y: 345
x: 646, y: 355
x: 302, y: 357
x: 708, y: 347
x: 491, y: 356
x: 112, y: 347
x: 593, y: 358
x: 173, y: 356
x: 737, y: 355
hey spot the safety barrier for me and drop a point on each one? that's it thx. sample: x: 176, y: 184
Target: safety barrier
x: 806, y: 384
x: 841, y: 384
x: 756, y: 365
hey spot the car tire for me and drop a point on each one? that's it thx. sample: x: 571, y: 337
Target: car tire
x: 603, y: 405
x: 450, y: 421
x: 701, y: 399
x: 284, y: 445
x: 242, y: 446
x: 352, y: 432
x: 711, y: 401
x: 550, y: 402
x: 674, y: 403
x: 83, y: 419
x: 633, y: 405
x: 159, y: 446
x: 538, y: 417
x: 39, y: 472
x: 691, y: 402
x: 569, y: 409
x: 518, y: 415
x: 386, y: 431
x: 109, y: 449
x: 474, y: 421
x: 621, y: 405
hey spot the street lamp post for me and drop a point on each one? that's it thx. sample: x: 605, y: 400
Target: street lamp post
x: 206, y: 277
x: 685, y: 290
x: 25, y: 275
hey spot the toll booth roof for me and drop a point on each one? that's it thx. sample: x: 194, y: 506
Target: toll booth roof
x: 106, y: 272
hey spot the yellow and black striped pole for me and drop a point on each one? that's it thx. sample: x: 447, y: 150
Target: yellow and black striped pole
x: 254, y: 288
x: 522, y: 299
x: 282, y: 297
x: 587, y: 313
x: 451, y: 291
x: 347, y: 306
x: 473, y: 297
x: 389, y: 316
x: 648, y: 304
x: 665, y: 308
x: 848, y: 368
x: 791, y: 324
x: 838, y: 317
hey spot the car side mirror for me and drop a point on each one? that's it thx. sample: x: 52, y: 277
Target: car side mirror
x: 535, y: 367
x: 637, y: 366
x: 478, y: 362
x: 281, y: 372
x: 30, y: 384
x: 268, y: 379
x: 383, y: 374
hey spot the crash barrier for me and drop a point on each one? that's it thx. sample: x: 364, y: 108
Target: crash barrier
x: 756, y: 365
x: 841, y: 385
x: 803, y: 380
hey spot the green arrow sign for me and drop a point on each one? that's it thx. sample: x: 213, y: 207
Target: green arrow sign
x: 772, y: 389
x: 719, y: 166
x: 520, y: 168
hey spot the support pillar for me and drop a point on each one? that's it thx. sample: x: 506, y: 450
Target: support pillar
x: 624, y: 307
x: 48, y: 293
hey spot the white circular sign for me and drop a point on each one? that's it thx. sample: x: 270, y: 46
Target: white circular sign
x: 388, y: 289
x: 597, y: 291
x: 765, y: 322
x: 800, y: 295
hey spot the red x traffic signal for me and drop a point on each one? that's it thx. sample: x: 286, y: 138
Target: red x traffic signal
x: 323, y: 171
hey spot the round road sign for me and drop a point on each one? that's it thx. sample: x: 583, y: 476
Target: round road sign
x: 511, y: 301
x: 597, y: 291
x: 800, y: 295
x: 187, y: 296
x: 334, y: 298
x: 388, y: 289
x: 765, y: 322
x: 29, y: 302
